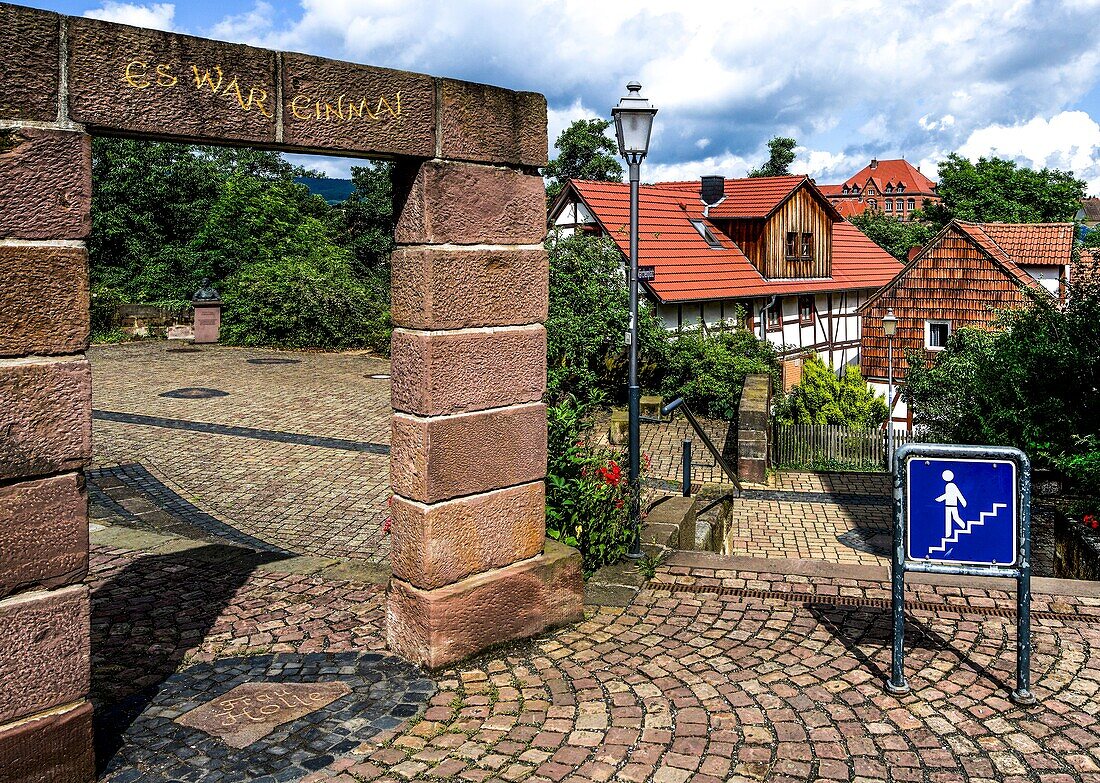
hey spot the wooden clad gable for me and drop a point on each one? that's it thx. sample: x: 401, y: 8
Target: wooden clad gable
x: 954, y: 280
x: 803, y: 213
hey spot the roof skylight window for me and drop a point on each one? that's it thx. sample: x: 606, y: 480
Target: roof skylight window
x: 706, y: 233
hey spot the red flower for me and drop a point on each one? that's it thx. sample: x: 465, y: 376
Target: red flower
x: 386, y: 526
x: 612, y: 475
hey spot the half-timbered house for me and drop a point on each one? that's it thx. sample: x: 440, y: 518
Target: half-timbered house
x: 772, y: 250
x: 962, y: 277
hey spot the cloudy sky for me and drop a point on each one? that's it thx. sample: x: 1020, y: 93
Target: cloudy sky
x: 849, y: 79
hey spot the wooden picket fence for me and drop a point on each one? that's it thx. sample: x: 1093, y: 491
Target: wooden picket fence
x: 828, y: 447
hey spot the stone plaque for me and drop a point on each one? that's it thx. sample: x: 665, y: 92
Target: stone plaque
x: 253, y: 710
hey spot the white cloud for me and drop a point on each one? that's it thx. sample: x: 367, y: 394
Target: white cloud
x: 728, y: 165
x: 1069, y: 140
x: 869, y: 77
x: 159, y: 16
x: 558, y: 120
x: 246, y: 25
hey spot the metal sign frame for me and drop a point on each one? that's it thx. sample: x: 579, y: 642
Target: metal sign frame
x: 1020, y: 570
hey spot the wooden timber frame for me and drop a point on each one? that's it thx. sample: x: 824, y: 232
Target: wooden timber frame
x: 470, y: 563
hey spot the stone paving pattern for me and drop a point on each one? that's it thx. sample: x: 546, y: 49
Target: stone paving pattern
x: 304, y: 498
x: 680, y: 685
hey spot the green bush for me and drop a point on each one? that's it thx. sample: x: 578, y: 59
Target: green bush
x: 587, y: 491
x: 589, y: 316
x: 823, y: 398
x: 708, y: 371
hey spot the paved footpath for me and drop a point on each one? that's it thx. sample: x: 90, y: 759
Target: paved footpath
x: 292, y: 450
x: 719, y: 671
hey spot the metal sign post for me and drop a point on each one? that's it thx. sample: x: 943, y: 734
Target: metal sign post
x: 962, y: 510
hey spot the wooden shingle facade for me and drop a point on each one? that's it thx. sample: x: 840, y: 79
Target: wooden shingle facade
x: 962, y: 278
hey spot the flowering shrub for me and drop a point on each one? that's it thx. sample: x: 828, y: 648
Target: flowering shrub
x: 1091, y: 521
x: 587, y: 492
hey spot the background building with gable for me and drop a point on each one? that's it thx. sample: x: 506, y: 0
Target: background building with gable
x: 962, y: 277
x: 893, y: 187
x: 772, y: 248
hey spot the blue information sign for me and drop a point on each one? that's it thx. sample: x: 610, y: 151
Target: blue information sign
x: 962, y: 511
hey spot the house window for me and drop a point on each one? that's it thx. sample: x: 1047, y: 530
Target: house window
x: 889, y: 205
x: 872, y: 203
x: 807, y: 246
x: 775, y: 315
x: 936, y: 334
x: 912, y: 204
x: 792, y: 244
x: 805, y: 310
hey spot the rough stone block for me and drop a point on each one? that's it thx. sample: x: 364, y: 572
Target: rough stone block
x: 493, y: 125
x: 333, y: 105
x: 29, y: 68
x: 752, y: 470
x: 45, y: 651
x: 44, y: 309
x: 458, y: 371
x: 434, y: 459
x: 467, y: 204
x: 446, y: 542
x: 455, y: 289
x: 47, y: 176
x: 618, y: 431
x: 51, y: 748
x: 168, y: 85
x: 439, y: 627
x: 676, y: 514
x: 43, y: 533
x: 45, y: 418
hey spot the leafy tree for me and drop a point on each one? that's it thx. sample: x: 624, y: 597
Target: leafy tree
x: 823, y: 398
x: 708, y: 370
x: 367, y: 218
x: 780, y: 158
x: 589, y: 316
x: 892, y: 235
x: 1032, y: 382
x: 585, y: 151
x: 995, y: 190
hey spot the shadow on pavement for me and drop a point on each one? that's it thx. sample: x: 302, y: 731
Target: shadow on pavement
x: 860, y: 627
x: 145, y: 618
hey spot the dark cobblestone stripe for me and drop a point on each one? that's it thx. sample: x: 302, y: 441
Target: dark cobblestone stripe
x: 834, y: 498
x: 241, y: 432
x: 814, y: 599
x: 140, y: 480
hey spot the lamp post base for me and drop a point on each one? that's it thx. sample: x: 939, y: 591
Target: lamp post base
x: 900, y: 689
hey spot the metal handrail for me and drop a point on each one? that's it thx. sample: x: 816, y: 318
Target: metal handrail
x: 714, y: 452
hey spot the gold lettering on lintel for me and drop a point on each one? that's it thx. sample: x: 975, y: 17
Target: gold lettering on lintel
x: 144, y: 75
x: 305, y: 107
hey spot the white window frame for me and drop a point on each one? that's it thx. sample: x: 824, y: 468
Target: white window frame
x: 928, y: 334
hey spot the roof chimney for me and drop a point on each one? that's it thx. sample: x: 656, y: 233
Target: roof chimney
x: 874, y: 163
x: 913, y: 252
x: 713, y: 190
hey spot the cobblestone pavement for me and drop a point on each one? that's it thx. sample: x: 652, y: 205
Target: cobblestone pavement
x: 295, y: 455
x: 708, y: 675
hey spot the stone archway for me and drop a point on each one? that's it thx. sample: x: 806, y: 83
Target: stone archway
x: 470, y: 564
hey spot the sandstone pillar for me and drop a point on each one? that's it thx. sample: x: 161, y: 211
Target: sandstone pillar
x: 471, y: 564
x: 45, y: 413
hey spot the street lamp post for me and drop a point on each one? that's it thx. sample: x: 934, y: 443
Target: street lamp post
x: 633, y: 124
x: 890, y: 327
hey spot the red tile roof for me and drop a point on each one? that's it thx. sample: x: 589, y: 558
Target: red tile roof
x: 893, y: 172
x: 749, y: 197
x: 1033, y: 243
x: 1009, y: 245
x: 849, y: 206
x: 830, y: 190
x: 687, y: 268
